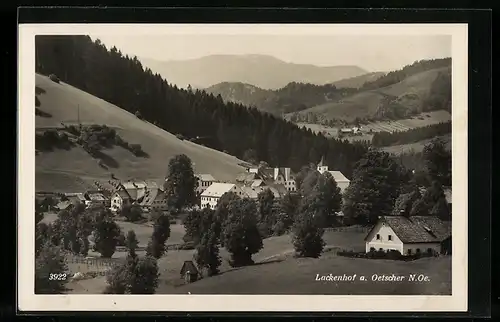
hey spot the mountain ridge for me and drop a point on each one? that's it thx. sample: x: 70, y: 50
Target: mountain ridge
x: 264, y: 71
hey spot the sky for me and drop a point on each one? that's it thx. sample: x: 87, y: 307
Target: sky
x: 370, y: 52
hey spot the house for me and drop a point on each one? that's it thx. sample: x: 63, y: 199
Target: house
x: 189, y: 272
x: 97, y: 199
x: 342, y: 181
x: 203, y: 182
x: 410, y: 235
x: 211, y: 196
x: 284, y: 177
x: 447, y: 194
x: 159, y: 203
x: 119, y: 199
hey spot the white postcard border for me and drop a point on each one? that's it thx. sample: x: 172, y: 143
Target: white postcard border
x: 28, y: 301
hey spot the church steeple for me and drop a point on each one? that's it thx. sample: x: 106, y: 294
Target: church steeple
x: 322, y: 161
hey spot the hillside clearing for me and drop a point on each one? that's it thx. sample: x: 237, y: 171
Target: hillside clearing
x: 75, y: 170
x: 420, y: 120
x: 411, y: 92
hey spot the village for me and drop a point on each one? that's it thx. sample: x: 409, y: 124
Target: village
x: 409, y: 235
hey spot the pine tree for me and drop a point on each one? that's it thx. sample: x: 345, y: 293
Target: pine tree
x: 161, y: 232
x: 131, y: 242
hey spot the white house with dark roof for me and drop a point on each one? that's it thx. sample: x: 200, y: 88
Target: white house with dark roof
x: 410, y: 235
x: 211, y: 196
x: 283, y: 176
x: 203, y: 182
x: 119, y: 199
x: 342, y: 181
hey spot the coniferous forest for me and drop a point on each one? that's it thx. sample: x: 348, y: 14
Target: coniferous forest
x: 193, y: 114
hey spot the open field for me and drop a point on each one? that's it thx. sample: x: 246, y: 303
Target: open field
x: 277, y: 277
x: 410, y: 93
x: 75, y: 170
x: 417, y: 121
x: 275, y: 270
x: 415, y: 147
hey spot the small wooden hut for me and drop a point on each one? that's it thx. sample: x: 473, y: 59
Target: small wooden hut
x: 189, y: 272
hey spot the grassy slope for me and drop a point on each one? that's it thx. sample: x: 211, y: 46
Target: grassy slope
x: 276, y: 270
x: 365, y: 104
x: 297, y: 276
x: 75, y: 170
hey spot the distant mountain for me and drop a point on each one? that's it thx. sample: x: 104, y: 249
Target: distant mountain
x: 420, y: 87
x: 358, y: 81
x: 291, y: 98
x: 263, y: 71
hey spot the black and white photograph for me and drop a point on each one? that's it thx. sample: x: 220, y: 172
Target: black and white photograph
x: 200, y: 161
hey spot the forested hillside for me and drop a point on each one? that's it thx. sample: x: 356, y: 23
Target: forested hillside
x: 205, y: 119
x: 293, y: 97
x: 407, y: 71
x: 421, y: 87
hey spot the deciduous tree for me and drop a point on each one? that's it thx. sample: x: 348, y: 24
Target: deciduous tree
x: 240, y: 233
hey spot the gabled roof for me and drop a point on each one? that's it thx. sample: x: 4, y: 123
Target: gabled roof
x: 253, y: 192
x: 205, y: 177
x: 417, y: 229
x: 338, y: 176
x: 123, y: 194
x: 257, y: 183
x: 247, y: 177
x: 217, y: 189
x: 188, y: 266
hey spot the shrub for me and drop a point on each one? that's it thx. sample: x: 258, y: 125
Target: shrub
x: 187, y: 246
x: 121, y: 240
x: 136, y: 149
x: 54, y: 78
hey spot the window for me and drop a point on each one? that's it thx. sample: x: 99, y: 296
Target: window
x: 389, y: 237
x: 409, y: 251
x: 378, y: 236
x: 418, y: 250
x: 429, y: 251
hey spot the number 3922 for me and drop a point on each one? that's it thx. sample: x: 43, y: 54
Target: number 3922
x: 57, y: 277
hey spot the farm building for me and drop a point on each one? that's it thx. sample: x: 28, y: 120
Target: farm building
x: 211, y: 196
x: 159, y: 203
x: 203, y: 182
x: 189, y: 272
x: 253, y: 192
x: 342, y: 181
x: 97, y: 199
x: 410, y: 235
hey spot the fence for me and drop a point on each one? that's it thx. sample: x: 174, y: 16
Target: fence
x: 357, y: 229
